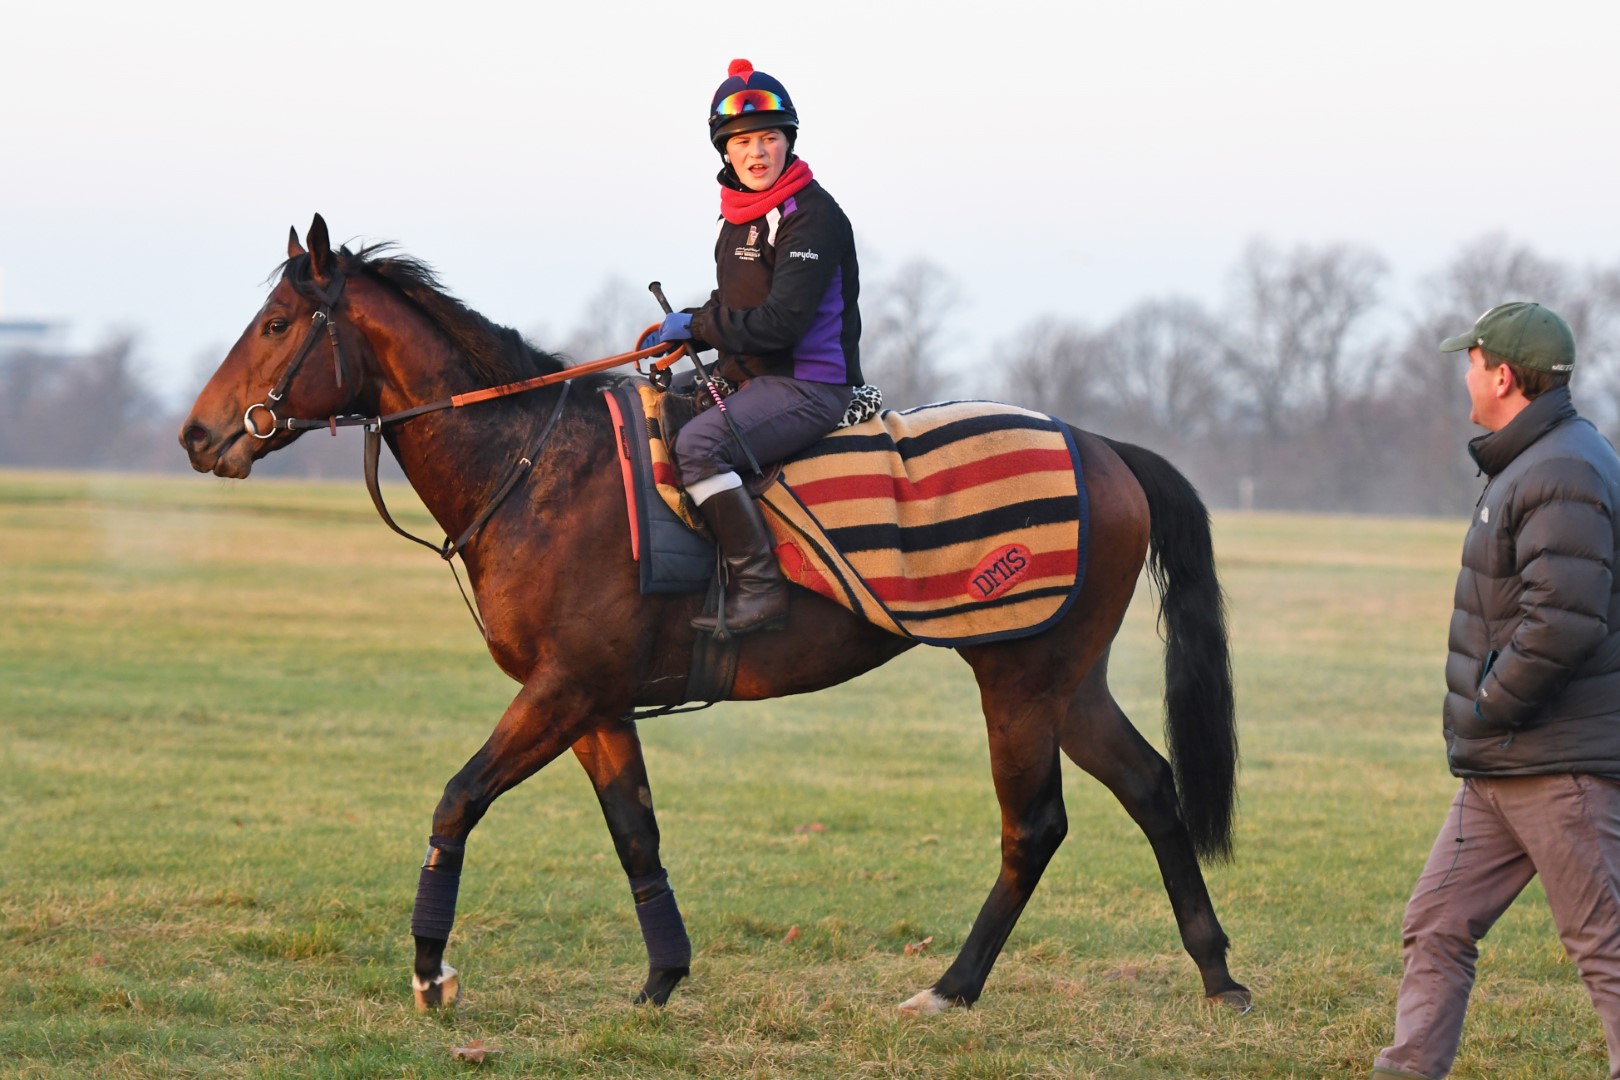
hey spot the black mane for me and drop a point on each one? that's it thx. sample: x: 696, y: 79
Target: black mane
x: 493, y: 354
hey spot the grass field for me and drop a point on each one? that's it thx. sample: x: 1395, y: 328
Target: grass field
x: 227, y: 710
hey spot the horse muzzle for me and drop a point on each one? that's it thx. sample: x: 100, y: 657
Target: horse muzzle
x: 230, y: 455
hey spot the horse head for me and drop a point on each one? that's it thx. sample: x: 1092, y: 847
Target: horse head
x: 297, y: 357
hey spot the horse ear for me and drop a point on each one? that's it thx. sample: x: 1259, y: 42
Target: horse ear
x: 320, y: 247
x: 294, y: 248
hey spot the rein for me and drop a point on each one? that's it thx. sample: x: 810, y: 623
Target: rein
x: 322, y: 319
x: 449, y: 548
x: 473, y: 397
x: 663, y: 355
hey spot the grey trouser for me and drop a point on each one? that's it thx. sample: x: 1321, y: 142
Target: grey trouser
x: 778, y: 416
x: 1500, y: 833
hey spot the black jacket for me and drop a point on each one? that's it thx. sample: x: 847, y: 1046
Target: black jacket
x: 788, y: 295
x: 1533, y: 675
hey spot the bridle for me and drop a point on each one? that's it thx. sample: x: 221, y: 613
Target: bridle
x: 324, y: 319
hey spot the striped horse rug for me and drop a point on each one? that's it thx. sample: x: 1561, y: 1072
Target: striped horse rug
x: 954, y: 524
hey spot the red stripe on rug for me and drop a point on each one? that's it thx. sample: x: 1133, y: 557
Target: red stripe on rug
x: 957, y: 586
x: 945, y: 482
x: 626, y: 470
x: 799, y: 570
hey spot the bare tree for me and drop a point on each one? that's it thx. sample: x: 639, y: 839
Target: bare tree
x: 1597, y: 348
x: 87, y: 411
x: 1417, y: 444
x: 904, y: 322
x: 26, y: 378
x: 1056, y: 367
x: 1421, y: 456
x: 614, y: 315
x: 1294, y: 318
x: 1287, y: 400
x: 1493, y: 270
x: 1163, y: 373
x: 1489, y: 271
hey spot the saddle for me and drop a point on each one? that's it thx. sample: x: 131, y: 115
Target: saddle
x: 951, y: 524
x: 668, y: 539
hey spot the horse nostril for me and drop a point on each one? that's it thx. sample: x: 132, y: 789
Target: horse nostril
x: 194, y: 437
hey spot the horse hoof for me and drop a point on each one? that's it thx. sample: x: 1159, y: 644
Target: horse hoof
x: 660, y: 984
x: 439, y: 992
x: 926, y: 1003
x: 1236, y: 998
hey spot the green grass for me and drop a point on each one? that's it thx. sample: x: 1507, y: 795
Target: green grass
x: 228, y: 709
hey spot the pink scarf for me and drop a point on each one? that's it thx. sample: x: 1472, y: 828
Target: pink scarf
x: 739, y: 207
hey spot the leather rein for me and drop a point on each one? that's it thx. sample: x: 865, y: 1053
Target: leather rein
x: 665, y: 355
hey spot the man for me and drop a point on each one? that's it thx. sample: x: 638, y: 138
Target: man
x: 1532, y: 709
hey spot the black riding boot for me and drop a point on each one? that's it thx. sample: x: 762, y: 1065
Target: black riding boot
x: 756, y: 594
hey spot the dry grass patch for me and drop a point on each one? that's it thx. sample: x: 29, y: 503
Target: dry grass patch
x: 229, y: 710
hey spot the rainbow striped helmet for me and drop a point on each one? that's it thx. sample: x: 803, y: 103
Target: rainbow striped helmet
x: 750, y: 100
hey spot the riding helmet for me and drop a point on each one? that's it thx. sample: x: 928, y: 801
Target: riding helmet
x: 747, y: 101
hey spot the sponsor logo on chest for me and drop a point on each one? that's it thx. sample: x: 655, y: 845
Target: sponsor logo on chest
x: 749, y: 252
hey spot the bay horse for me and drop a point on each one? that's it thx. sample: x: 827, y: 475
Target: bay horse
x: 563, y: 614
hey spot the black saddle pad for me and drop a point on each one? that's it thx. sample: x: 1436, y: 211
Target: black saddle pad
x: 673, y: 557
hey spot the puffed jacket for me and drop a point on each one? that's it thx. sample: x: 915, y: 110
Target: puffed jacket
x: 1533, y: 674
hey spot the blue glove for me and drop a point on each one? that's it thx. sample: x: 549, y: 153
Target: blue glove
x: 647, y: 340
x: 677, y: 326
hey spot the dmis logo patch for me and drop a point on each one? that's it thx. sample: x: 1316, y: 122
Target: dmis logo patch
x: 999, y: 571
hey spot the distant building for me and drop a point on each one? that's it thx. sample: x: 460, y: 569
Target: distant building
x: 31, y: 335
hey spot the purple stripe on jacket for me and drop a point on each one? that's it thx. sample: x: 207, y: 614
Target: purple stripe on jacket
x: 820, y: 356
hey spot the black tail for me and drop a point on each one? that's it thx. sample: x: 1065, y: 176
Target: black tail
x: 1200, y: 718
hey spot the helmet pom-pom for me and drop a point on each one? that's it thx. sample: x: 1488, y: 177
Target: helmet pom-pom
x: 740, y: 67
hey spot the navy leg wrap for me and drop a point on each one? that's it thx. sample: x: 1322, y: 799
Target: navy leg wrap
x: 661, y: 925
x: 435, y: 911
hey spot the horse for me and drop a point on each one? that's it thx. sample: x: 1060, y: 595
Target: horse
x: 530, y: 484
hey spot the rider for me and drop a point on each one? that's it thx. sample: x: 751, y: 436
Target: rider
x: 787, y: 325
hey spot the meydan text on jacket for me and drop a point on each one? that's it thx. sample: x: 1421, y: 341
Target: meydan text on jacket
x: 1533, y: 675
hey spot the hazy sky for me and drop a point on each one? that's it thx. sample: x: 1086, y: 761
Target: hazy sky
x: 1055, y: 158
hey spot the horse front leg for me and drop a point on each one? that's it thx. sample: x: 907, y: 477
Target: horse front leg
x: 542, y: 721
x: 1098, y: 737
x: 611, y: 756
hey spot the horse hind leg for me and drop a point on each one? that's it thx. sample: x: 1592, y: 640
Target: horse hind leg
x: 612, y: 758
x: 1098, y: 737
x: 1028, y: 779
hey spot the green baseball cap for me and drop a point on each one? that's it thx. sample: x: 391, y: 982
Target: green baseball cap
x: 1520, y: 333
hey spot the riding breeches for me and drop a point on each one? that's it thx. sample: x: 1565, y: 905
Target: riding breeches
x: 776, y: 416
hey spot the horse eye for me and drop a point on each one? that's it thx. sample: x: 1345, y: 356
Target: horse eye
x: 276, y: 326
